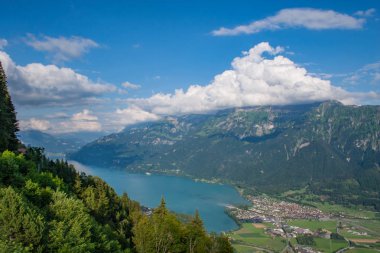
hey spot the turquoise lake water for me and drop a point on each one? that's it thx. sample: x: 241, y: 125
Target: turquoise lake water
x: 182, y: 195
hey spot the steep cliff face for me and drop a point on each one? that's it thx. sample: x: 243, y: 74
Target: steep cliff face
x: 269, y: 148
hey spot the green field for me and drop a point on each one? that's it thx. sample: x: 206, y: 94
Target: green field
x: 356, y: 212
x: 327, y: 245
x: 361, y: 250
x: 248, y: 234
x: 308, y: 199
x: 313, y: 225
x: 349, y: 235
x: 352, y: 236
x: 245, y: 249
x: 372, y: 225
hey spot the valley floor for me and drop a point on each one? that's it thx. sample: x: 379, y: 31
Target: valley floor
x: 272, y: 225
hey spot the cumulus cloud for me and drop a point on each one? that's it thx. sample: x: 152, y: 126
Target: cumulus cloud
x: 35, y: 124
x: 61, y: 48
x: 81, y: 121
x: 253, y: 80
x: 129, y: 85
x: 85, y: 115
x: 128, y: 116
x: 3, y: 43
x: 38, y: 84
x: 313, y: 19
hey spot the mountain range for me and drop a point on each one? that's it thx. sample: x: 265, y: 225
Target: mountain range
x: 57, y: 145
x: 331, y: 149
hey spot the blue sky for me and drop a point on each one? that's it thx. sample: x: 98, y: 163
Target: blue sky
x: 161, y: 46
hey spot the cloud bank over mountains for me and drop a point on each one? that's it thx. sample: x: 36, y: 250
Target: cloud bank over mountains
x: 261, y: 76
x: 308, y: 18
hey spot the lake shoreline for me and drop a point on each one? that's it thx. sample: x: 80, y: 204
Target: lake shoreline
x: 184, y: 194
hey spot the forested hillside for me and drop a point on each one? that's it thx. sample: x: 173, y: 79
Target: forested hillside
x: 47, y: 206
x: 328, y: 148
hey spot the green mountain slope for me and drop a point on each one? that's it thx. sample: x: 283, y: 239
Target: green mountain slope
x: 329, y: 147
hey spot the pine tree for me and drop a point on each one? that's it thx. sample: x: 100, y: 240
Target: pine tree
x: 8, y: 121
x: 196, y: 237
x: 161, y: 210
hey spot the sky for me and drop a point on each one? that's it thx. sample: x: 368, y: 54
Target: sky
x: 98, y: 66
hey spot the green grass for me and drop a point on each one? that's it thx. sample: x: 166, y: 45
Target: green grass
x: 294, y: 192
x: 248, y: 234
x: 362, y: 250
x: 242, y: 248
x: 276, y: 244
x: 373, y: 225
x: 348, y: 211
x: 348, y: 235
x: 327, y: 245
x: 245, y: 249
x: 314, y: 224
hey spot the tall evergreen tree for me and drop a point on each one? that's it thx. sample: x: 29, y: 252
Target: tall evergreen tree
x: 8, y: 121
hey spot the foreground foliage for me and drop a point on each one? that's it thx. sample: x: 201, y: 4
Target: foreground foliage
x: 47, y: 206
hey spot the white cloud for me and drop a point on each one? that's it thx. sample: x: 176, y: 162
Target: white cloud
x: 61, y: 48
x: 366, y: 13
x: 35, y: 124
x: 80, y: 126
x: 3, y: 43
x: 84, y: 115
x: 254, y: 79
x: 38, y: 84
x: 308, y: 18
x: 129, y: 85
x: 81, y: 121
x: 128, y: 116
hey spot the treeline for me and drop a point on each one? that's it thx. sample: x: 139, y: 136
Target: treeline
x: 351, y: 192
x: 47, y: 206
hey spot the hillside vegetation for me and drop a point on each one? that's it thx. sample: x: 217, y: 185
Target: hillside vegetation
x: 47, y: 206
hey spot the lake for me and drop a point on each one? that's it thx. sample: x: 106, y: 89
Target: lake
x: 182, y: 195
